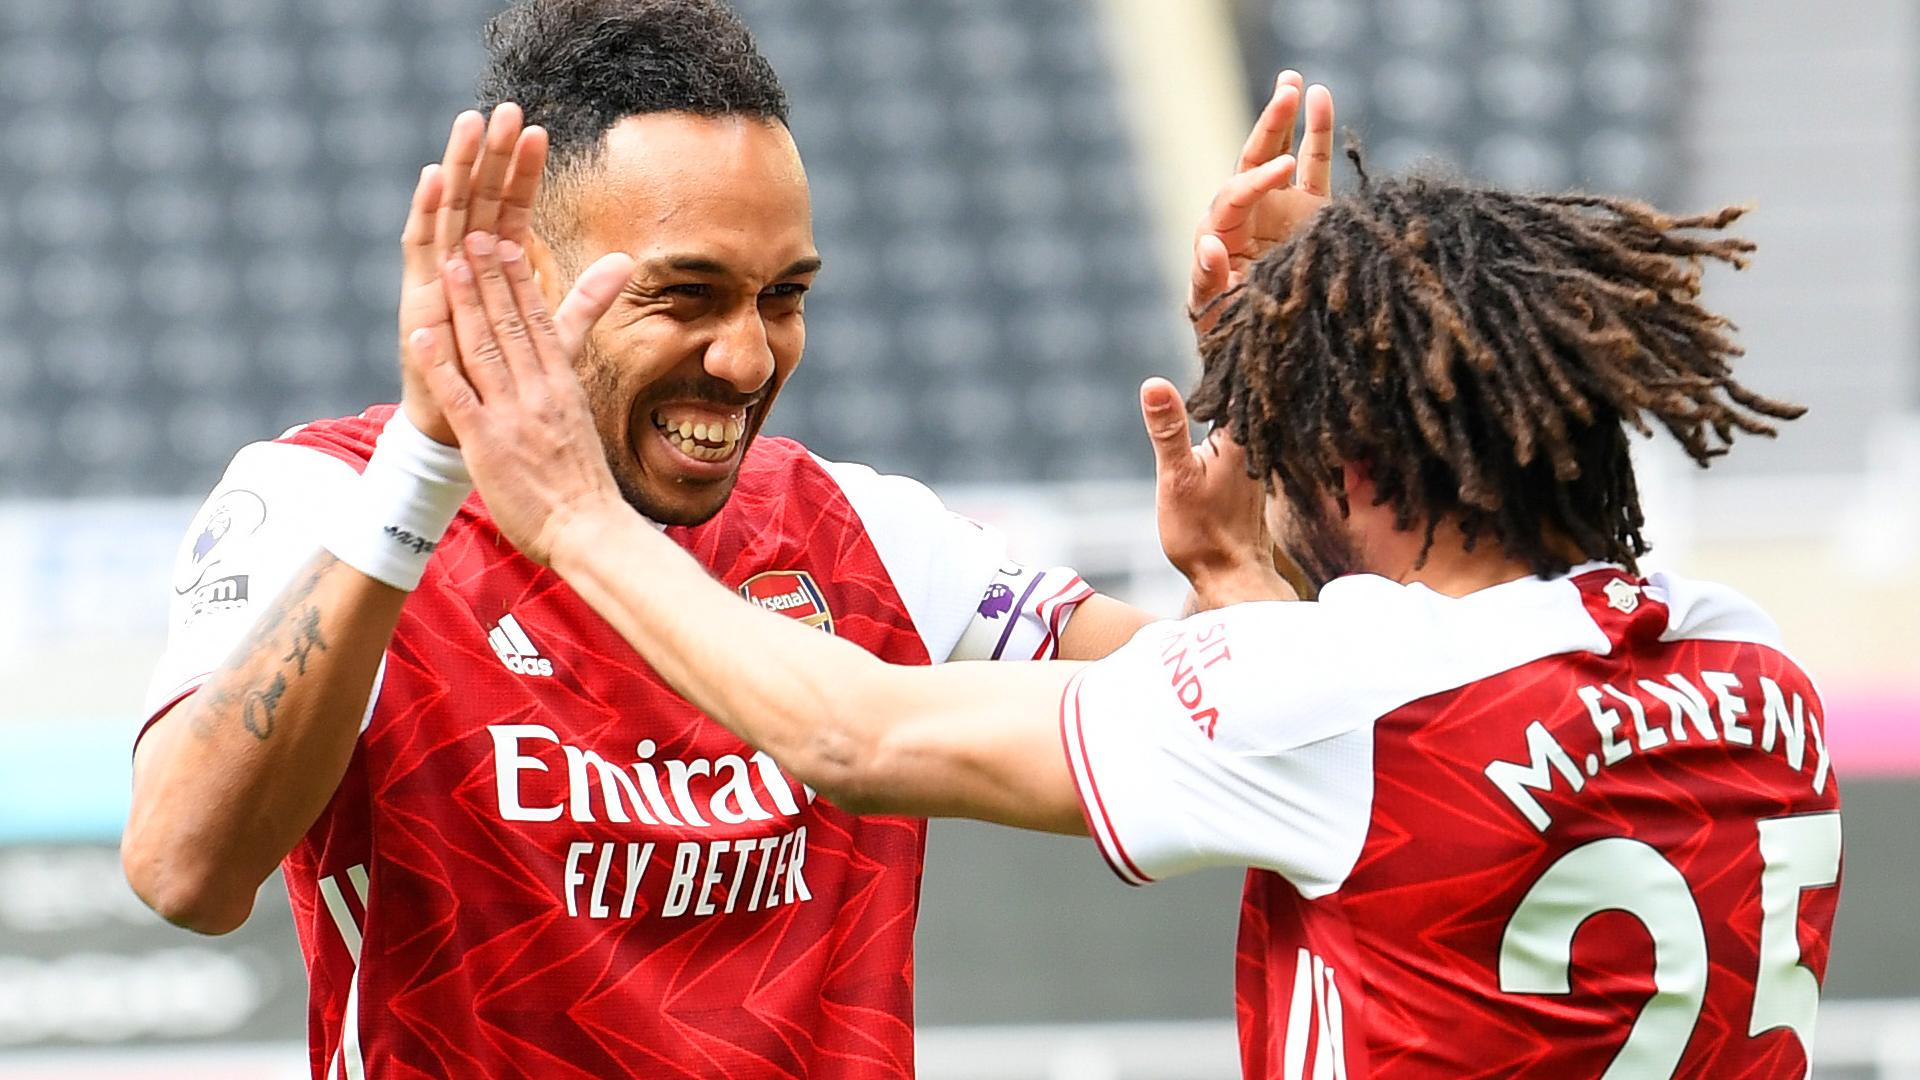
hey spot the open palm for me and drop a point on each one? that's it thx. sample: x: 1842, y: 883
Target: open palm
x: 1271, y: 194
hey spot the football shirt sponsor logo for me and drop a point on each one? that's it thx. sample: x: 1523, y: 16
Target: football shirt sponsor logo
x: 791, y: 593
x: 516, y: 650
x: 221, y: 594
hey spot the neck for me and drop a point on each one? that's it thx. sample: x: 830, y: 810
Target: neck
x: 1449, y: 568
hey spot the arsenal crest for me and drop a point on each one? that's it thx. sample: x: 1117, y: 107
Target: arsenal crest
x: 1622, y: 595
x: 791, y: 593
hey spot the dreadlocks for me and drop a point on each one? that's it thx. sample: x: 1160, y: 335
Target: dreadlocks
x: 1481, y: 352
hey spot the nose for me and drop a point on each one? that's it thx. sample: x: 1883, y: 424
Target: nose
x: 740, y: 354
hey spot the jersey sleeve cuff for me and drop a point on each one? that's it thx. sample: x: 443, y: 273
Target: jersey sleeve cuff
x: 178, y: 694
x: 1093, y: 805
x: 1022, y: 614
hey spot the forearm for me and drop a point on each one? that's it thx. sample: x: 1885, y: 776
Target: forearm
x: 804, y: 702
x: 961, y: 740
x: 229, y: 780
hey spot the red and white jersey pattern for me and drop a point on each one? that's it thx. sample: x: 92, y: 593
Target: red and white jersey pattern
x: 1578, y: 827
x: 543, y: 863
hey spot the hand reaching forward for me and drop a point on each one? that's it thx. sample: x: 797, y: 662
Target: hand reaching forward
x: 487, y: 181
x: 1212, y: 515
x: 507, y: 388
x: 1270, y: 194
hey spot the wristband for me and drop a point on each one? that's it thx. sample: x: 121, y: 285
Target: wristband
x: 406, y: 497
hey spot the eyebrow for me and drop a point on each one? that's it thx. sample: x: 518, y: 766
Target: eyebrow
x: 700, y: 264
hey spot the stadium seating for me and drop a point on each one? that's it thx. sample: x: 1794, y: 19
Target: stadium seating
x: 1536, y: 94
x: 202, y: 243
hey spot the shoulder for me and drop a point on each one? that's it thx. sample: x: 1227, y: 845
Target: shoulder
x: 782, y: 466
x: 1283, y: 674
x: 348, y: 438
x: 1709, y: 611
x: 878, y: 495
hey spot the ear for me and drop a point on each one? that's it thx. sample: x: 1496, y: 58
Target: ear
x: 546, y: 271
x: 1356, y: 480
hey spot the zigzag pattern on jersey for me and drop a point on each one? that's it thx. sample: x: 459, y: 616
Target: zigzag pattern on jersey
x: 471, y: 965
x: 1447, y: 861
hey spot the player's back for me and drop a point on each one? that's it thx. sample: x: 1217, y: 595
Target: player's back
x: 1618, y: 859
x: 1552, y: 828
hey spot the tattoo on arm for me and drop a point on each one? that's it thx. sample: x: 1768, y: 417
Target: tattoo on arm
x: 258, y: 704
x: 256, y: 712
x: 306, y: 638
x: 274, y: 617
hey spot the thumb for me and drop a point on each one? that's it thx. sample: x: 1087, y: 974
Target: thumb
x: 1210, y: 269
x: 1166, y: 418
x: 593, y: 292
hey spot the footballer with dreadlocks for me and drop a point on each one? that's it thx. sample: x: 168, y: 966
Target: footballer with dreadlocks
x: 1510, y: 807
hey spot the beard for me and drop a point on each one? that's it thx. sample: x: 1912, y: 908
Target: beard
x: 618, y: 414
x: 1320, y: 550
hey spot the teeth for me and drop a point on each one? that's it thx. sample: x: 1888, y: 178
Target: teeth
x: 692, y: 437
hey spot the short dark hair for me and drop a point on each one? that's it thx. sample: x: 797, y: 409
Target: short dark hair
x: 578, y: 67
x: 1481, y: 352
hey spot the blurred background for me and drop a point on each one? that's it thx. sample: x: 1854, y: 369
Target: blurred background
x: 199, y: 205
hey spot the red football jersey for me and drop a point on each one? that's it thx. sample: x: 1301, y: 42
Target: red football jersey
x: 543, y: 863
x: 1580, y: 827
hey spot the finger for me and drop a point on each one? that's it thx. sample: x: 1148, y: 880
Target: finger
x: 510, y: 330
x: 1316, y: 149
x: 416, y: 239
x: 423, y: 303
x: 1235, y: 202
x: 480, y: 355
x: 456, y: 168
x: 532, y: 304
x: 445, y: 381
x: 1272, y: 133
x: 490, y: 172
x: 1166, y: 419
x: 593, y: 293
x: 523, y: 185
x: 1211, y: 265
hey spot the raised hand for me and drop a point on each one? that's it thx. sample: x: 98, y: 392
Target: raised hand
x: 1271, y: 193
x: 504, y: 382
x: 487, y: 180
x: 1212, y: 515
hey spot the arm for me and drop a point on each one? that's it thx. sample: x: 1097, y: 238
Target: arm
x: 973, y: 740
x: 229, y: 778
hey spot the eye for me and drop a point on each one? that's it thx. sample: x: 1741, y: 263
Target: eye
x: 785, y: 296
x: 692, y: 290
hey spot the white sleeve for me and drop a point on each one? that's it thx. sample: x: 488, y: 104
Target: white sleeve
x: 260, y: 525
x: 967, y: 597
x: 1198, y: 744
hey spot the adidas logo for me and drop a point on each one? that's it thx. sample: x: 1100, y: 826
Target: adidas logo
x: 516, y: 649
